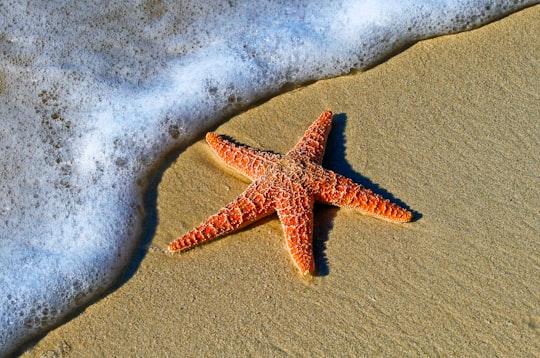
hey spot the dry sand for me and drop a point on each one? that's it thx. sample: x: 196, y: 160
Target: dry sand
x: 450, y: 128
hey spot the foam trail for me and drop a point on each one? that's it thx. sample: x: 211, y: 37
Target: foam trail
x: 93, y: 93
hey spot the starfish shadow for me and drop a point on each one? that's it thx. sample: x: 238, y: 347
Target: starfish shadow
x: 323, y: 224
x: 334, y: 159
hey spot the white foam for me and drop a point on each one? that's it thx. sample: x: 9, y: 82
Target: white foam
x: 93, y: 93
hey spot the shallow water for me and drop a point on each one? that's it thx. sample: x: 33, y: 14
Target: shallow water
x: 94, y: 93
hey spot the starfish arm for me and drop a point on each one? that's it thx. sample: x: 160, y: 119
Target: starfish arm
x: 250, y: 206
x: 247, y: 160
x: 311, y: 145
x: 296, y: 216
x: 338, y: 190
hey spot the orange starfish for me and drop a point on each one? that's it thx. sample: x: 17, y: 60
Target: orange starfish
x: 289, y: 185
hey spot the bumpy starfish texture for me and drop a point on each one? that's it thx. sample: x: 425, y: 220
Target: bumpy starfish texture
x: 289, y: 185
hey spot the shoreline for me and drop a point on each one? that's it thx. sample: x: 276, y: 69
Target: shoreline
x: 446, y: 127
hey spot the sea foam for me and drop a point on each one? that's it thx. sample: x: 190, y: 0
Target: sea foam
x: 93, y: 93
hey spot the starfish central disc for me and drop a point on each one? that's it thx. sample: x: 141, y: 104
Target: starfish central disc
x: 288, y: 184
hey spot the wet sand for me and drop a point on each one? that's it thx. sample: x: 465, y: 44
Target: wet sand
x: 449, y: 128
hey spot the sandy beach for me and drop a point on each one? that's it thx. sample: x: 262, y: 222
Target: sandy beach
x: 450, y: 129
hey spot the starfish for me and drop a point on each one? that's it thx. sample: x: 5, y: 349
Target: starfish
x: 287, y: 184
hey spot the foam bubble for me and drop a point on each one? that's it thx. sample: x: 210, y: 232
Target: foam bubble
x: 93, y: 93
